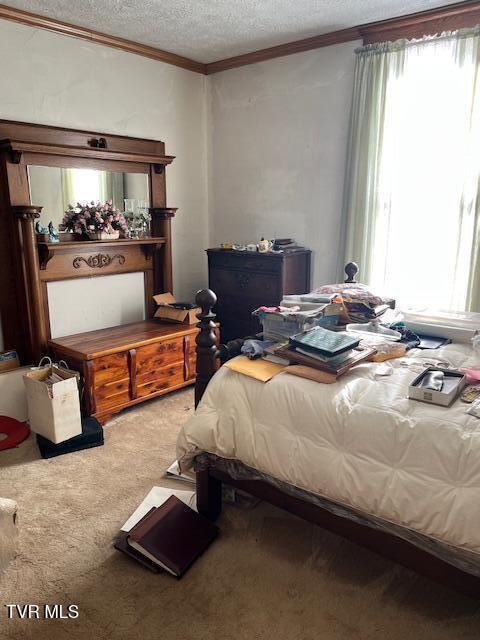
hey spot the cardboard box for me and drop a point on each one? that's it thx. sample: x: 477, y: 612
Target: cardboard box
x: 8, y: 360
x: 167, y: 313
x: 445, y: 397
x: 53, y: 410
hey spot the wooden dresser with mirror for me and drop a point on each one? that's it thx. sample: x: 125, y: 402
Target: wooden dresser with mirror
x: 43, y: 169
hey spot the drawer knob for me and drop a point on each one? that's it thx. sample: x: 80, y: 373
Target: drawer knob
x: 243, y: 280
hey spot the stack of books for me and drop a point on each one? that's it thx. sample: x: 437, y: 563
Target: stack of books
x: 286, y: 244
x: 330, y: 351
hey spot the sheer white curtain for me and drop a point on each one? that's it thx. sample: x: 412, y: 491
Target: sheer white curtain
x: 412, y: 206
x: 85, y: 185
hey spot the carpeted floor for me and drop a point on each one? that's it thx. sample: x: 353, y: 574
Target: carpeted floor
x: 269, y: 576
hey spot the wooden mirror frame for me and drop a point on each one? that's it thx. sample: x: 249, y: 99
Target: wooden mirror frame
x: 27, y: 265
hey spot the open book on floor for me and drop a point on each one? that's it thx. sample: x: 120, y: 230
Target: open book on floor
x: 170, y: 536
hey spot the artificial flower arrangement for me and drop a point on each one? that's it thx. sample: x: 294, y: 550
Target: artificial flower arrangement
x: 97, y: 221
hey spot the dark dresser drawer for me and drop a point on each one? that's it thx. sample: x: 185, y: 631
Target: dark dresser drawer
x: 248, y: 283
x: 248, y: 261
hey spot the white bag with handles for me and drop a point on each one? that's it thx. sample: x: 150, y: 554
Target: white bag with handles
x: 53, y: 401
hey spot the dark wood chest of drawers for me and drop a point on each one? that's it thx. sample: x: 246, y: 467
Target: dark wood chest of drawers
x: 244, y: 281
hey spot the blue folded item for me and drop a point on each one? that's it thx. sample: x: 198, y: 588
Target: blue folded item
x: 255, y: 348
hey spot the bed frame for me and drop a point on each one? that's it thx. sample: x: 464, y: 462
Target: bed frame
x: 209, y: 481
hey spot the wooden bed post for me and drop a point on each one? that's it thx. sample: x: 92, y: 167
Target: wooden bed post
x: 206, y: 342
x: 209, y: 489
x: 351, y: 269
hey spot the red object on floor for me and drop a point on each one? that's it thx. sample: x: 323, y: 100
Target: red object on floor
x: 15, y: 431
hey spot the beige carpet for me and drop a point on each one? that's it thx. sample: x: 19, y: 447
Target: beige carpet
x: 269, y: 576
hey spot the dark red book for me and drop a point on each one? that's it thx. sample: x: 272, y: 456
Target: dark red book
x: 172, y: 536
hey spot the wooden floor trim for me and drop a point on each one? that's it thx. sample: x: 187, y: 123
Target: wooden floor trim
x: 454, y: 16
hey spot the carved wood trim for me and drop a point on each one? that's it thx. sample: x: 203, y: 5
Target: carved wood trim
x: 27, y: 212
x: 97, y: 260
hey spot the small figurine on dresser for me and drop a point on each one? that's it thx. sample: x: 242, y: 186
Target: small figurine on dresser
x: 39, y: 228
x: 52, y: 233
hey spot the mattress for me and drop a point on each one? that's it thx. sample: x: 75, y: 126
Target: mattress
x: 359, y: 443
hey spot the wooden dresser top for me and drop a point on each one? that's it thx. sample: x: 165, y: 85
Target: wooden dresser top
x: 102, y: 342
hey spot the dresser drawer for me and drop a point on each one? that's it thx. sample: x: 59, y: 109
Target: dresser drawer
x: 246, y: 262
x: 261, y: 286
x: 109, y: 368
x: 162, y: 379
x: 110, y: 394
x: 153, y: 357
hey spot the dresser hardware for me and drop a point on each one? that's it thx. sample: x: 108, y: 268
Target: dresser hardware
x: 243, y: 279
x: 98, y: 143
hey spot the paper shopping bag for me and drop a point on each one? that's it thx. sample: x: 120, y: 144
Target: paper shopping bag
x: 53, y: 403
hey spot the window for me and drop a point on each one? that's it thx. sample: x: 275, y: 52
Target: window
x: 421, y: 178
x: 86, y: 185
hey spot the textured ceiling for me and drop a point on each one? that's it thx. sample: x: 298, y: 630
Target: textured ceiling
x: 210, y: 30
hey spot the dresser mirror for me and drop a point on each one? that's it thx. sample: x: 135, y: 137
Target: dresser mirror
x: 44, y: 169
x: 57, y: 187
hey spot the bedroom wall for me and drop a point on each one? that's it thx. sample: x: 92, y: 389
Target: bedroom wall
x: 56, y: 80
x: 277, y: 151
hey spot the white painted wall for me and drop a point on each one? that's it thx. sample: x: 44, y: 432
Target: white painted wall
x: 278, y: 150
x: 65, y: 295
x: 56, y: 80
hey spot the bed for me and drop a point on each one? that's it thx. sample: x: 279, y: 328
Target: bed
x: 357, y: 457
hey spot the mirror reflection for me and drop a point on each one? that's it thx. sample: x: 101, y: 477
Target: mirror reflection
x: 54, y: 188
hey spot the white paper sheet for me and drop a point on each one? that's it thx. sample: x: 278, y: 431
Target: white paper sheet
x: 155, y: 497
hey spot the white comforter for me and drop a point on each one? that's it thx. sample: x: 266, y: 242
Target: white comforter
x: 359, y: 442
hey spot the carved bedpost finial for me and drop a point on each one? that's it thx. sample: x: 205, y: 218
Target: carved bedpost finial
x: 206, y: 342
x: 351, y: 269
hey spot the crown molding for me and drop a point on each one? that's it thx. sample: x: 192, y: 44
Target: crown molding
x: 287, y: 49
x: 415, y: 25
x: 57, y: 26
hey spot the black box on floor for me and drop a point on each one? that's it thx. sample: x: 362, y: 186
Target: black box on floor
x: 91, y: 436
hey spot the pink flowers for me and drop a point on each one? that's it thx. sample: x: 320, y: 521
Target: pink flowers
x: 93, y: 217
